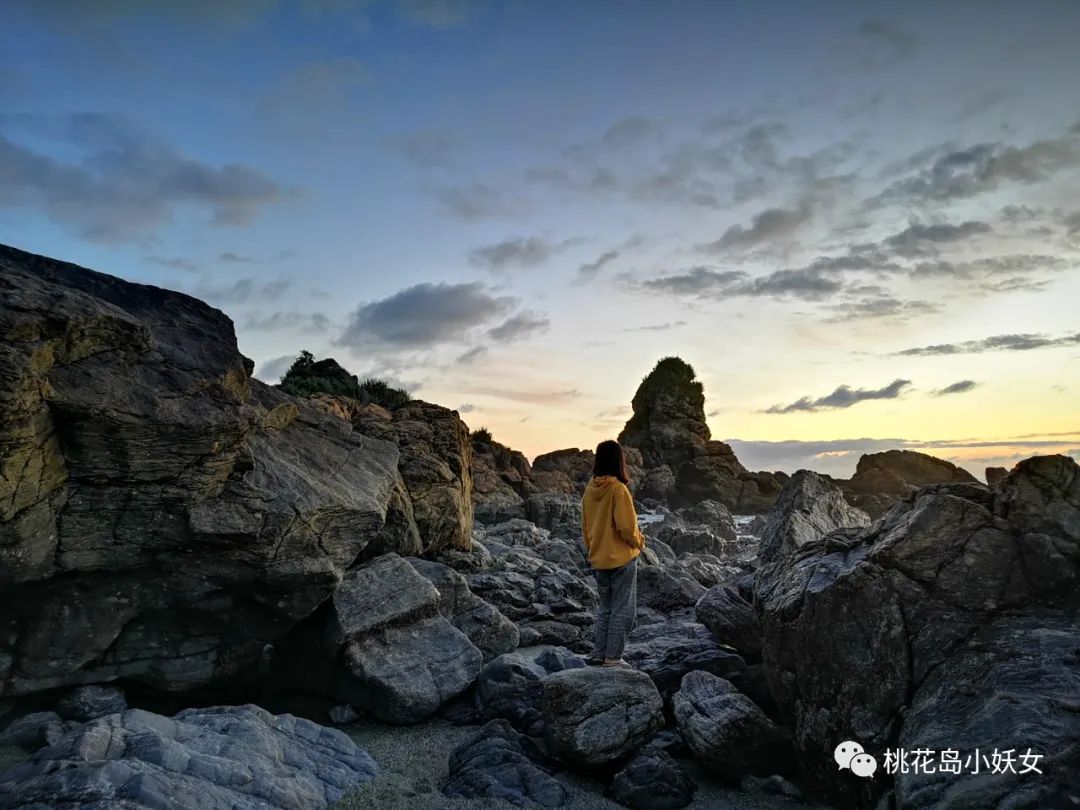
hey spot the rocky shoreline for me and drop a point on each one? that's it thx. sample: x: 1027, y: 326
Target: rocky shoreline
x: 216, y: 594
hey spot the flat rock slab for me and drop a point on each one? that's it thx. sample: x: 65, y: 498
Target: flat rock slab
x: 221, y: 758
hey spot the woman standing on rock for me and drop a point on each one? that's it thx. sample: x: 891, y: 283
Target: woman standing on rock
x: 613, y: 541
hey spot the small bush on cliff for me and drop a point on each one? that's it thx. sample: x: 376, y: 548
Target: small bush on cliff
x: 482, y: 436
x: 307, y: 376
x: 380, y: 392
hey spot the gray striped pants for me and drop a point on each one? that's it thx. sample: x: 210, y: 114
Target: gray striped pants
x: 617, y: 613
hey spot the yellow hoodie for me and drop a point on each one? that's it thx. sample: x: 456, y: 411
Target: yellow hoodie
x: 609, y: 523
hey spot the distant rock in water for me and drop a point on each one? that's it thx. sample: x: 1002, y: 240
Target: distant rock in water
x: 682, y: 464
x: 163, y: 517
x: 882, y: 479
x: 995, y: 475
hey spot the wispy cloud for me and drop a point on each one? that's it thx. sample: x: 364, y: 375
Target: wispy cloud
x: 843, y: 397
x: 520, y: 252
x: 521, y: 326
x: 995, y: 343
x: 961, y: 387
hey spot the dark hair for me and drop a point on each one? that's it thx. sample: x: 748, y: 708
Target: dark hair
x: 610, y: 460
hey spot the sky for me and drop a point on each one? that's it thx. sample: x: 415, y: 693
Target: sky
x: 857, y: 221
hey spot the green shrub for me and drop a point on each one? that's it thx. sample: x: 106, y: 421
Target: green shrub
x: 380, y: 392
x: 307, y: 376
x: 482, y: 436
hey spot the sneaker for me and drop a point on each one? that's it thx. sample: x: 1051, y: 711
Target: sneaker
x: 620, y: 664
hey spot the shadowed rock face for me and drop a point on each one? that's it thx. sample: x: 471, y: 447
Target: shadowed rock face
x: 958, y: 592
x: 809, y: 507
x: 162, y: 516
x: 682, y: 464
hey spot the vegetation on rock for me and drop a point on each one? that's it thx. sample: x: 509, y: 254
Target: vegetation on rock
x: 308, y: 376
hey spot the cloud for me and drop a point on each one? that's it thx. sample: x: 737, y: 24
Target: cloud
x: 476, y: 201
x: 272, y: 370
x: 519, y: 327
x: 695, y: 281
x: 429, y: 150
x: 882, y: 43
x: 656, y: 327
x: 961, y: 387
x: 520, y: 252
x: 173, y: 263
x: 422, y: 316
x: 466, y: 407
x: 124, y: 184
x: 842, y: 397
x: 1010, y: 264
x: 629, y: 131
x: 235, y: 258
x: 971, y: 171
x: 587, y: 272
x: 436, y: 13
x: 766, y: 226
x: 880, y: 306
x: 531, y: 397
x: 313, y: 323
x: 995, y: 343
x: 918, y: 239
x: 475, y: 353
x: 243, y: 291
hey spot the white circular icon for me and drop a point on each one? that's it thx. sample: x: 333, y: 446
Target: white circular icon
x: 845, y: 751
x: 863, y: 765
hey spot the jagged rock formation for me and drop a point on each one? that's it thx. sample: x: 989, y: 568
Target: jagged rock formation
x: 653, y: 780
x: 995, y: 475
x: 223, y: 758
x: 809, y: 507
x: 382, y: 645
x: 434, y: 509
x: 882, y: 479
x: 163, y: 517
x: 878, y: 635
x: 682, y: 464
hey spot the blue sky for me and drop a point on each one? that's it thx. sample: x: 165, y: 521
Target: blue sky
x: 857, y: 221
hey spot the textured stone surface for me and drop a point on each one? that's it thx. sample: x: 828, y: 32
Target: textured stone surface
x: 488, y: 630
x: 499, y: 763
x: 162, y: 516
x: 652, y: 780
x: 809, y: 507
x: 381, y: 644
x: 90, y: 702
x: 597, y: 715
x: 510, y: 687
x: 731, y: 619
x: 727, y: 731
x: 225, y: 758
x: 666, y: 651
x: 855, y: 628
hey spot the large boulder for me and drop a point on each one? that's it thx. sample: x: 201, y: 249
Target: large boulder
x: 809, y: 507
x: 502, y: 478
x: 681, y: 463
x: 511, y: 687
x: 597, y: 715
x: 163, y: 517
x: 559, y: 514
x: 499, y: 763
x: 667, y: 651
x: 866, y: 637
x: 381, y: 644
x: 882, y: 479
x: 91, y: 702
x: 727, y: 731
x: 489, y: 631
x: 224, y: 758
x: 652, y: 780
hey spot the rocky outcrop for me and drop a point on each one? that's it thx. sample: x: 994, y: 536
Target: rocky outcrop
x: 499, y: 763
x: 809, y: 507
x: 510, y: 687
x: 653, y: 780
x: 731, y: 619
x: 594, y: 716
x: 995, y: 475
x: 727, y: 731
x: 882, y: 479
x: 682, y: 464
x: 502, y: 479
x: 869, y: 637
x: 162, y: 516
x: 667, y: 651
x: 381, y: 644
x: 489, y: 631
x: 91, y: 702
x: 225, y: 758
